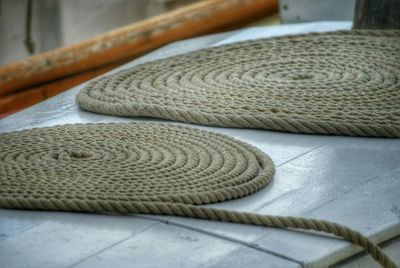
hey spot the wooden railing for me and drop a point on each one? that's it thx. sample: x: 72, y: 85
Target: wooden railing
x: 33, y: 79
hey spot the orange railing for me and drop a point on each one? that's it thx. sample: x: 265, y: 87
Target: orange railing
x: 33, y: 79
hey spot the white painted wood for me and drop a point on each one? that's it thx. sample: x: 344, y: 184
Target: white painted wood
x: 316, y: 10
x: 350, y: 180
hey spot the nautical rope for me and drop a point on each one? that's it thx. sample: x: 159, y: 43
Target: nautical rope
x: 344, y: 83
x: 143, y: 168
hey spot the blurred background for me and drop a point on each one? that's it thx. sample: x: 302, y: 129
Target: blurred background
x: 56, y: 23
x: 49, y: 46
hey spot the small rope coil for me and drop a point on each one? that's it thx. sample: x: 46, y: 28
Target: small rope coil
x: 143, y: 168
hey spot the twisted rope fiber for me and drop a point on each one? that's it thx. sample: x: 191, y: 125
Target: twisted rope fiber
x: 344, y: 83
x: 143, y: 168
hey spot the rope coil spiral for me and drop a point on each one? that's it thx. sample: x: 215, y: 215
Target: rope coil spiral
x: 143, y: 168
x: 344, y: 83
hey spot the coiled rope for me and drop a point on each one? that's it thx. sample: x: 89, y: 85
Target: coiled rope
x: 345, y: 83
x: 143, y: 168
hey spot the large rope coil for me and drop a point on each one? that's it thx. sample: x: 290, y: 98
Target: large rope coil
x: 343, y: 83
x: 143, y: 168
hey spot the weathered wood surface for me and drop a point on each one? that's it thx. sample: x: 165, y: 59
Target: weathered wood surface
x: 373, y: 14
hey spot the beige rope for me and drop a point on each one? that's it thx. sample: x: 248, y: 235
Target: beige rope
x: 143, y: 168
x: 345, y: 83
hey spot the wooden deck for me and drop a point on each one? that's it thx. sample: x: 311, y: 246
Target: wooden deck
x: 349, y: 180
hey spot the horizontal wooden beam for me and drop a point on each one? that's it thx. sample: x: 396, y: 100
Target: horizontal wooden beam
x: 25, y: 98
x: 133, y: 40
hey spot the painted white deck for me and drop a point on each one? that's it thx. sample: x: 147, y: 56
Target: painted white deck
x: 349, y: 180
